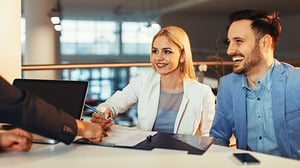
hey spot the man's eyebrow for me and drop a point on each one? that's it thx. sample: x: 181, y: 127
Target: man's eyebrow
x: 237, y: 38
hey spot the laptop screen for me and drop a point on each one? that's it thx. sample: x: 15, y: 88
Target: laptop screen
x: 64, y: 94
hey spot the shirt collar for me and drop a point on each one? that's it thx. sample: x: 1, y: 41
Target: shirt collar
x: 265, y: 81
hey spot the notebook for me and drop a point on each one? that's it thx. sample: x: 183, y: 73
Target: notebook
x: 67, y: 95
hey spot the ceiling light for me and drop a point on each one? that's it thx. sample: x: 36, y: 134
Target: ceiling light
x: 57, y: 27
x: 55, y: 20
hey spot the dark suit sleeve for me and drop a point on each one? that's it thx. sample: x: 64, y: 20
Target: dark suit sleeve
x: 31, y: 113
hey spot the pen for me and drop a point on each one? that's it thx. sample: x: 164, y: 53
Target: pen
x: 95, y: 110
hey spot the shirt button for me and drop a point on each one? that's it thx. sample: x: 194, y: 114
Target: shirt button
x: 259, y: 137
x: 258, y: 98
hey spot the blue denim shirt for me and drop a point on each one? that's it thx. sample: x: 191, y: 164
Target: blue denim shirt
x: 260, y: 124
x: 231, y: 110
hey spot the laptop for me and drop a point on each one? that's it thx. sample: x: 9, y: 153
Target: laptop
x: 66, y: 95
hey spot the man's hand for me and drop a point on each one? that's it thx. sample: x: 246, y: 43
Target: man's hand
x: 15, y: 140
x: 90, y: 131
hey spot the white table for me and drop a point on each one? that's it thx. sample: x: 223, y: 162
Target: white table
x: 89, y: 156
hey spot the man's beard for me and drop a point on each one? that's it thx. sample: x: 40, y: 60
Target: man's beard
x: 249, y: 62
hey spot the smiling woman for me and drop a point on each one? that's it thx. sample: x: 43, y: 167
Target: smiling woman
x: 168, y: 97
x: 165, y: 57
x: 172, y: 44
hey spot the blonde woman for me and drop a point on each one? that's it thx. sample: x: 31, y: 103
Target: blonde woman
x: 169, y: 99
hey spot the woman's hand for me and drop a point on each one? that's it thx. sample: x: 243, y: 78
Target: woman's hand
x: 104, y: 120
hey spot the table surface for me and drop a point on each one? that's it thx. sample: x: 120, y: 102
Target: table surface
x: 79, y: 155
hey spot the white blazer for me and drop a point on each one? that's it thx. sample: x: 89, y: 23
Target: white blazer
x: 195, y: 114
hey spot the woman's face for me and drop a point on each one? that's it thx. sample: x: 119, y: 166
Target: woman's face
x: 165, y: 56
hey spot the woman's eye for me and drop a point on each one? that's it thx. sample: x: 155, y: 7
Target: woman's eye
x: 154, y: 51
x: 168, y: 52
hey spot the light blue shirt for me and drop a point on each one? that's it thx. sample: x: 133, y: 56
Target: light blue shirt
x: 260, y: 124
x: 168, y: 107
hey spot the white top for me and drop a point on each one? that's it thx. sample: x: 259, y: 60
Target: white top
x: 195, y: 113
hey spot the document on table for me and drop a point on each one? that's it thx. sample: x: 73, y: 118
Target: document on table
x: 122, y: 136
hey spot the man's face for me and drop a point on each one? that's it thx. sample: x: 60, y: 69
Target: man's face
x: 243, y: 47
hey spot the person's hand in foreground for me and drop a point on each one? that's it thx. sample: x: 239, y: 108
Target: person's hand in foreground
x: 15, y: 140
x: 90, y: 131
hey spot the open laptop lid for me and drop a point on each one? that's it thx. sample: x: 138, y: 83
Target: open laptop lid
x: 64, y: 94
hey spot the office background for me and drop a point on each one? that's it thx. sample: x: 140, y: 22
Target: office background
x: 121, y: 32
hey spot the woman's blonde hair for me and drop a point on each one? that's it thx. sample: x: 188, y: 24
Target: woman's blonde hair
x: 178, y: 36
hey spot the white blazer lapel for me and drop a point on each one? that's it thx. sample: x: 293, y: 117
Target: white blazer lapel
x: 181, y: 111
